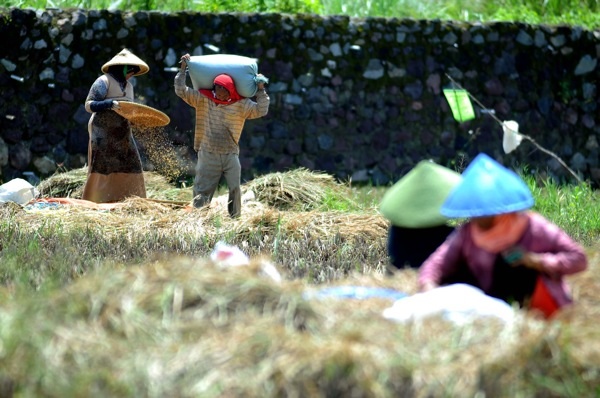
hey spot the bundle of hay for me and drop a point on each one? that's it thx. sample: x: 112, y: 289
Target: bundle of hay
x: 299, y: 189
x: 183, y: 290
x: 348, y: 226
x: 101, y: 335
x: 70, y: 185
x: 64, y: 185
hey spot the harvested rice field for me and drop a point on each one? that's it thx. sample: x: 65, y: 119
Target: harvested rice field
x: 131, y: 301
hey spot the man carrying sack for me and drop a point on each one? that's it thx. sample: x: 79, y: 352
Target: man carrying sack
x: 220, y: 116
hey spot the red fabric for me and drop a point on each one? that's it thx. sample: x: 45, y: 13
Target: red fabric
x: 227, y: 82
x: 542, y: 300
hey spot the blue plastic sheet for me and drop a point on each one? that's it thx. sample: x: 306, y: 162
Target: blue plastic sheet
x: 355, y: 292
x: 43, y: 206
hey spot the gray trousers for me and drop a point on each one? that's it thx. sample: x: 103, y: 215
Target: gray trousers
x: 209, y: 169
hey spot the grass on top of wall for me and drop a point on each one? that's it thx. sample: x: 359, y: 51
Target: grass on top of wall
x: 585, y: 13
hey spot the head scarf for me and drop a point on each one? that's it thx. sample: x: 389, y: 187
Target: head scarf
x: 227, y: 82
x: 507, y: 229
x: 119, y: 72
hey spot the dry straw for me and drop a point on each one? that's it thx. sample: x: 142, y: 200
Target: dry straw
x: 70, y: 184
x: 187, y: 327
x: 299, y: 188
x: 181, y: 327
x: 64, y: 184
x: 270, y: 214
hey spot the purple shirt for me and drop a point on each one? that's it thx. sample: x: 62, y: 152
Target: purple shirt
x: 560, y: 255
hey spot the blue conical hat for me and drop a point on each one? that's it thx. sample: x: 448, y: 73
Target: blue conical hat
x: 487, y: 188
x: 415, y: 200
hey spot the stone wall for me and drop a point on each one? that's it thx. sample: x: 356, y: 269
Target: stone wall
x: 356, y: 98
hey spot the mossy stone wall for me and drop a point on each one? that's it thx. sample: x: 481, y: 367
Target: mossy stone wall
x: 357, y: 98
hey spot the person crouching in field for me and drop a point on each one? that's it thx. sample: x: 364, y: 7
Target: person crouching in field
x: 509, y: 253
x: 220, y: 117
x: 412, y: 206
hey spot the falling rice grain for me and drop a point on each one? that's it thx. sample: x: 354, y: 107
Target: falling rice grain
x: 160, y: 151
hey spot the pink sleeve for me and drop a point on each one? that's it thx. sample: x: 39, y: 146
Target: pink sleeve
x: 562, y: 255
x: 443, y: 260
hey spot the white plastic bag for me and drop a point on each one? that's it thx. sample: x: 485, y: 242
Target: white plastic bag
x: 18, y: 190
x: 225, y: 256
x: 511, y: 138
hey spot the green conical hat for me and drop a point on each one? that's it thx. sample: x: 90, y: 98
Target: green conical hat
x: 415, y: 200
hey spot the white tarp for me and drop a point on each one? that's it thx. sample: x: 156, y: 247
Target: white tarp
x: 18, y: 190
x: 459, y: 303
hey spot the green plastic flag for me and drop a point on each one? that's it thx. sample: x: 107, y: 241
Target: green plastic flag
x: 460, y: 104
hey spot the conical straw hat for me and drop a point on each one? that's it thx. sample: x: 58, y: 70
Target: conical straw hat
x: 487, y: 188
x: 415, y: 200
x: 126, y: 57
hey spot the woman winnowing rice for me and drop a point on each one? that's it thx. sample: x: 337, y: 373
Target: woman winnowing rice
x: 114, y: 164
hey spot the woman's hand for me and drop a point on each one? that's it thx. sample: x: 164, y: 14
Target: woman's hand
x: 533, y: 261
x: 517, y: 256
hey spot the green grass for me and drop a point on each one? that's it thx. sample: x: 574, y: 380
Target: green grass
x: 362, y: 198
x: 585, y: 13
x: 574, y: 208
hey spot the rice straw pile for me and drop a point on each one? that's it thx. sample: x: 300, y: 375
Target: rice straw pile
x: 270, y: 213
x: 299, y: 188
x: 70, y: 185
x: 64, y: 184
x: 183, y: 326
x: 178, y: 327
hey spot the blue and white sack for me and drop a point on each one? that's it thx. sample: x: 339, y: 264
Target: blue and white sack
x: 243, y: 70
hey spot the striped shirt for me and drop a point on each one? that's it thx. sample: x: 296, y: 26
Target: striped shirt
x: 219, y: 127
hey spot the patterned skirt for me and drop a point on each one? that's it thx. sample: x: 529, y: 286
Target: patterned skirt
x: 114, y: 164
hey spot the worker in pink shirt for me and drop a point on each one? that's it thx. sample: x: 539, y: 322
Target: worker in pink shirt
x: 507, y: 251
